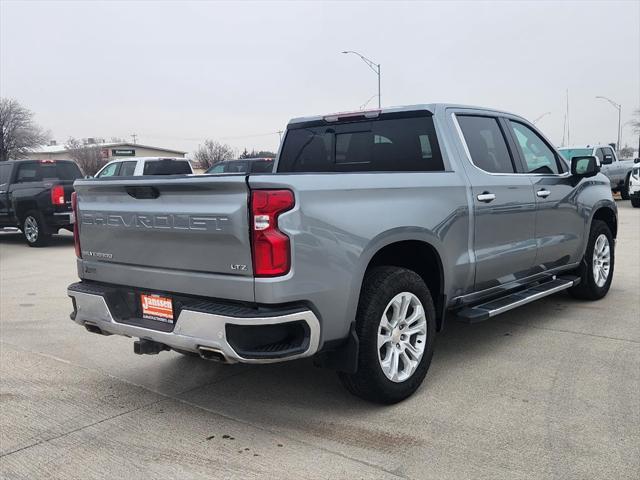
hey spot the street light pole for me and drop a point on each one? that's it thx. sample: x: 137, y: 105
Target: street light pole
x: 619, y: 108
x: 373, y: 66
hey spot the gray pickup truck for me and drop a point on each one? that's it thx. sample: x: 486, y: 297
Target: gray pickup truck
x: 618, y: 171
x: 373, y: 229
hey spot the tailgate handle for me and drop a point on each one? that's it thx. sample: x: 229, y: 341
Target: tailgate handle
x: 143, y: 192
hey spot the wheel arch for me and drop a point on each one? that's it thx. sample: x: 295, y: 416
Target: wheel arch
x: 415, y: 253
x: 608, y: 215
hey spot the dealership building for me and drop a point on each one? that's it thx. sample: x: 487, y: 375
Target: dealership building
x: 110, y: 151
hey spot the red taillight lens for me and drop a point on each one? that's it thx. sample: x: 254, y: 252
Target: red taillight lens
x: 76, y: 226
x: 271, y: 252
x: 57, y: 195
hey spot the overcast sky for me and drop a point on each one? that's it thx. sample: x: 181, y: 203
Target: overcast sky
x: 176, y: 73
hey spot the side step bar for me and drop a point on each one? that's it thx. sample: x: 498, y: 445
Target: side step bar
x: 485, y: 311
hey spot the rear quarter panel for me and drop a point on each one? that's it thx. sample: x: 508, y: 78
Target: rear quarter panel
x: 341, y: 220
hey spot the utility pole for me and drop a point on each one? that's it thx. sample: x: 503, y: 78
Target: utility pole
x: 373, y: 66
x: 618, y: 107
x: 135, y: 137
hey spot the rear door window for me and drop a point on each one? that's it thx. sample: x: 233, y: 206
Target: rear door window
x: 486, y: 143
x: 127, y: 169
x: 386, y: 145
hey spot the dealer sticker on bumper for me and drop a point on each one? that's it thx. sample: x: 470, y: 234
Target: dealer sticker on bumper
x: 155, y: 307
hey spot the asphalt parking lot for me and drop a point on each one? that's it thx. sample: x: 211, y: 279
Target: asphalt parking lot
x: 550, y: 390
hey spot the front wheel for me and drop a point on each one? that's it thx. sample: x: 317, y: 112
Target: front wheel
x: 635, y: 202
x: 395, y: 325
x: 596, y: 268
x: 624, y: 189
x: 34, y: 230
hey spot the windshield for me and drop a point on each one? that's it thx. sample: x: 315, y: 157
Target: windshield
x: 569, y: 153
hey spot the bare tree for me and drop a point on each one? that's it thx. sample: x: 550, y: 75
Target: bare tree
x: 635, y: 124
x: 213, y: 152
x: 89, y: 157
x: 18, y: 132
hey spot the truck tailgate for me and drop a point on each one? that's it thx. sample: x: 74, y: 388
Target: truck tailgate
x: 187, y: 234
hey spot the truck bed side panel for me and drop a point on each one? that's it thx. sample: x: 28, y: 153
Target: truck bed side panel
x: 341, y: 220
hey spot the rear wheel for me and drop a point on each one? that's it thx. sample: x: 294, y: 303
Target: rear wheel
x: 596, y: 268
x: 395, y: 325
x: 34, y: 231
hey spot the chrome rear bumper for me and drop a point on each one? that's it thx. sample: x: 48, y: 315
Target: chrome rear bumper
x: 194, y: 331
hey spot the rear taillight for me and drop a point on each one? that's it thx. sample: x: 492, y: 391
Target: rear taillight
x: 76, y: 226
x: 57, y: 195
x: 271, y: 251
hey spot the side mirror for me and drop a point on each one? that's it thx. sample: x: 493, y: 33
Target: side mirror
x: 586, y: 166
x: 608, y: 159
x: 636, y: 160
x: 88, y: 176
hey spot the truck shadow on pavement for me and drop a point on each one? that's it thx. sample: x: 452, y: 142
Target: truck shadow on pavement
x: 277, y: 394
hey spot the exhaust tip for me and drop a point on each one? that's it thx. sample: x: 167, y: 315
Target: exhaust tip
x: 93, y: 328
x: 212, y: 354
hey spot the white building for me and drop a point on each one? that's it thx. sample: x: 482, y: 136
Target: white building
x: 109, y: 151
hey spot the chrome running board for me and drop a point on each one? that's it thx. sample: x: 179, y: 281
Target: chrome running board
x: 485, y: 311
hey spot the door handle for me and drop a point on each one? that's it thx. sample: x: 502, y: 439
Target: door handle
x: 543, y: 193
x: 486, y: 197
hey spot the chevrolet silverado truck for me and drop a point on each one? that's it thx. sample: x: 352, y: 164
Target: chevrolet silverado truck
x: 372, y: 231
x: 35, y: 196
x: 618, y: 171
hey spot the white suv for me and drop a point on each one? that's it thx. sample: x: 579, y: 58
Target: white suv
x: 137, y: 166
x: 634, y: 186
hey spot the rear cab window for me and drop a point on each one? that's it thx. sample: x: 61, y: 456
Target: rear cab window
x: 166, y: 166
x: 402, y: 144
x: 38, y: 171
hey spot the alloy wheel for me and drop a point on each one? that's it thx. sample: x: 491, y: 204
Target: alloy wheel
x: 402, y: 337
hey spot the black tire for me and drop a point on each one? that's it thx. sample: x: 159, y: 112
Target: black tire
x: 635, y: 202
x: 588, y: 289
x: 380, y: 286
x: 624, y: 189
x: 34, y: 230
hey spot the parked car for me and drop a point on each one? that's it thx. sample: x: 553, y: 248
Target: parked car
x: 245, y: 165
x: 617, y: 170
x: 634, y: 186
x: 138, y: 166
x: 375, y: 227
x: 35, y: 196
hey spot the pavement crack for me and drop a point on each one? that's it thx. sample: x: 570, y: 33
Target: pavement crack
x: 190, y: 404
x: 47, y: 440
x: 559, y: 330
